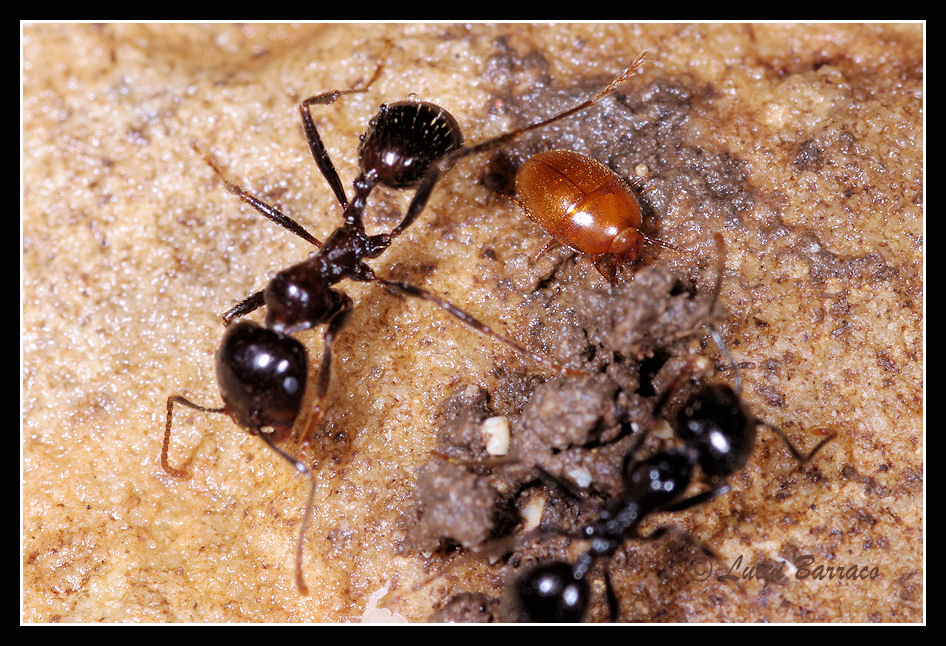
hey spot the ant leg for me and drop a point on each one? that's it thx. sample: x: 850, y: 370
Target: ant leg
x: 322, y: 160
x: 503, y: 139
x: 436, y: 170
x: 633, y: 449
x: 247, y: 305
x: 335, y: 324
x: 179, y: 473
x: 421, y: 195
x: 406, y: 289
x: 614, y: 607
x: 266, y: 210
x: 698, y: 499
x: 680, y: 534
x: 801, y: 459
x: 255, y: 301
x: 304, y: 470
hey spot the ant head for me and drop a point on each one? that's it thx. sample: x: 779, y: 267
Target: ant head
x: 549, y: 592
x: 404, y: 139
x: 659, y: 479
x: 715, y: 422
x: 262, y: 376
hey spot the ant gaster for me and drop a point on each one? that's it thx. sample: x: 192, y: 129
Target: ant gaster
x: 718, y: 433
x: 261, y: 371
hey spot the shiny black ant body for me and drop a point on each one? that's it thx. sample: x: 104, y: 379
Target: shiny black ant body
x: 717, y: 432
x: 262, y: 370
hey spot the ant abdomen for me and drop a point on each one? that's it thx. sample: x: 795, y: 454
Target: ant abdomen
x: 715, y: 422
x: 550, y: 593
x: 405, y: 138
x: 262, y: 376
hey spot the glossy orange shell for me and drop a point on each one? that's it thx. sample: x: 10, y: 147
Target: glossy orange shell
x: 577, y: 200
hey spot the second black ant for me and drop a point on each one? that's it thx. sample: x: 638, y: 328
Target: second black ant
x: 262, y: 370
x: 717, y: 432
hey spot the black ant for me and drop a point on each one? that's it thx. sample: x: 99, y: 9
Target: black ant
x: 262, y: 370
x: 719, y: 435
x: 717, y: 432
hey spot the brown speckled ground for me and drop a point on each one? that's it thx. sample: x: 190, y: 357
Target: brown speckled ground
x: 808, y: 140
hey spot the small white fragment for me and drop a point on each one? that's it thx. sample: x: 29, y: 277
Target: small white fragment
x: 374, y: 614
x: 581, y: 476
x: 789, y: 565
x: 496, y: 435
x: 532, y: 512
x: 662, y: 430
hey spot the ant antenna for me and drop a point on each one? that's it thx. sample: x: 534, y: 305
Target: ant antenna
x: 298, y: 465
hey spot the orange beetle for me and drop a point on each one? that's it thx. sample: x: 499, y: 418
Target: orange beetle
x: 584, y: 205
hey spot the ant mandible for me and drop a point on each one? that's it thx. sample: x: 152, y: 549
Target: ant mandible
x: 262, y: 370
x: 718, y: 433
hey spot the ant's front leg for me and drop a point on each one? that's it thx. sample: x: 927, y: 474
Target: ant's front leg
x: 255, y: 301
x: 244, y: 307
x: 322, y: 160
x: 266, y: 210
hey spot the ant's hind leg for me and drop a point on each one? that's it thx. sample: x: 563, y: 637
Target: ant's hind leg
x: 179, y: 473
